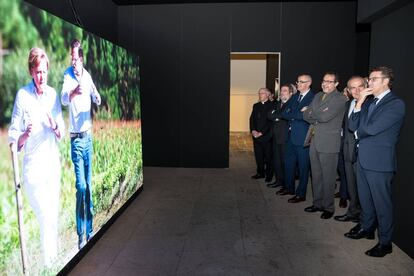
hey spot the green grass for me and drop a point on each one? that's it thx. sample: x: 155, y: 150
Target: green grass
x: 116, y: 175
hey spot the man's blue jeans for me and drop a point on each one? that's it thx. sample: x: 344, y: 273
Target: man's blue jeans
x: 81, y: 153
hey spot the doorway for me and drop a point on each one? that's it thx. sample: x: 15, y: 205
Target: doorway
x: 249, y: 71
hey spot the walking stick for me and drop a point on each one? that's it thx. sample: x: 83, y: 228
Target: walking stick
x: 19, y: 204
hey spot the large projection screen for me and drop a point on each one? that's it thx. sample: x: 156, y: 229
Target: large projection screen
x: 59, y: 141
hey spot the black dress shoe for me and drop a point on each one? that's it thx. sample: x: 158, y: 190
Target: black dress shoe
x: 379, y: 250
x: 343, y: 203
x: 296, y: 199
x: 273, y: 185
x: 346, y: 218
x: 258, y: 176
x: 282, y: 190
x: 337, y: 195
x: 326, y: 215
x: 286, y: 192
x: 312, y: 209
x: 355, y: 229
x: 360, y: 235
x: 268, y: 180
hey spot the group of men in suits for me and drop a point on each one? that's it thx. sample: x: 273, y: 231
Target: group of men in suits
x: 268, y: 130
x: 303, y: 133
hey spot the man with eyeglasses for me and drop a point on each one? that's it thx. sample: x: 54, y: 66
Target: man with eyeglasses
x: 377, y: 124
x: 297, y: 156
x: 279, y: 127
x: 325, y: 115
x: 260, y: 128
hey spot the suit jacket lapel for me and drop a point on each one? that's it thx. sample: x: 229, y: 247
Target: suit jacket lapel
x: 346, y: 118
x: 296, y: 103
x: 389, y: 97
x: 304, y: 99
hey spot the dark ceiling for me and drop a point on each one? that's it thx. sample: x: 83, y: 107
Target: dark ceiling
x: 149, y: 2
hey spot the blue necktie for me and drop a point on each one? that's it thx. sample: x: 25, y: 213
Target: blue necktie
x: 372, y: 106
x: 300, y: 97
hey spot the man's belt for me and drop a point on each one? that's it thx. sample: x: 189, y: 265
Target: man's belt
x: 79, y: 134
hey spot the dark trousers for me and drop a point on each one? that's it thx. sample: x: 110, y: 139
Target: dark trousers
x: 296, y: 155
x: 354, y: 208
x: 374, y: 190
x: 343, y: 187
x: 262, y: 153
x: 278, y: 161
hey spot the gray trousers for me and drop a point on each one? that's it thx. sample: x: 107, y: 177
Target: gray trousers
x: 323, y: 166
x: 354, y: 208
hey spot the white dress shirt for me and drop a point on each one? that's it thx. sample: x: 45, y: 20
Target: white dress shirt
x: 80, y: 106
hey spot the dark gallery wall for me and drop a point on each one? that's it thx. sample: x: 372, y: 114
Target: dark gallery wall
x: 370, y: 10
x: 96, y: 16
x: 184, y: 54
x: 392, y: 44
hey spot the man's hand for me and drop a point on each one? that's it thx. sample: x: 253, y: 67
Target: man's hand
x: 256, y: 134
x: 95, y: 95
x: 96, y: 98
x: 362, y: 97
x: 304, y: 109
x: 75, y: 92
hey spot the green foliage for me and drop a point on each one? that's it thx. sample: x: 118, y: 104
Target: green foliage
x: 117, y: 79
x: 115, y: 71
x: 16, y: 33
x: 114, y: 171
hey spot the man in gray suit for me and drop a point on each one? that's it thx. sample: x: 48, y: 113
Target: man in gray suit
x: 355, y: 85
x: 325, y: 115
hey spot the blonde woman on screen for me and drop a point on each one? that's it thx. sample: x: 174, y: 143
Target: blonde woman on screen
x: 36, y: 127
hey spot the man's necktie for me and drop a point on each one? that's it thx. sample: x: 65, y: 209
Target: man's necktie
x: 324, y: 96
x: 300, y: 97
x: 372, y: 106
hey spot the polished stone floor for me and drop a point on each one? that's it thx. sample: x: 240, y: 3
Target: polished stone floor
x: 221, y: 222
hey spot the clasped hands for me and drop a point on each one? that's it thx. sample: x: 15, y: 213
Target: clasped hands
x: 256, y: 134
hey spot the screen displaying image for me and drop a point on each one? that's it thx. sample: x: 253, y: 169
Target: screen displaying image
x: 70, y: 107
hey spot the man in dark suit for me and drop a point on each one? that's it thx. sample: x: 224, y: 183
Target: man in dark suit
x: 325, y: 115
x: 260, y: 128
x: 342, y: 193
x: 296, y: 153
x: 279, y: 131
x: 355, y: 85
x: 377, y: 125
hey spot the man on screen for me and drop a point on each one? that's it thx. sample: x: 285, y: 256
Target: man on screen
x: 77, y: 92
